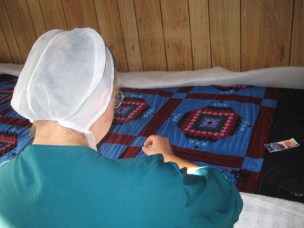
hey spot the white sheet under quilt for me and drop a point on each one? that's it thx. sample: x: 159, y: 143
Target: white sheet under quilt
x: 259, y: 211
x: 280, y: 77
x: 263, y: 211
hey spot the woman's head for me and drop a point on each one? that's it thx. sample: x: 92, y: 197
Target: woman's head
x: 68, y: 77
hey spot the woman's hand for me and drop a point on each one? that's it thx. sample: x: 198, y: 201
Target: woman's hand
x: 157, y: 145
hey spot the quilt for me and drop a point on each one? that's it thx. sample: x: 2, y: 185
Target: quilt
x: 218, y: 126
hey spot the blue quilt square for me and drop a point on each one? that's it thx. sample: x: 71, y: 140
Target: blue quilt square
x: 112, y: 151
x: 269, y: 103
x: 252, y: 164
x: 131, y: 117
x: 188, y: 124
x: 179, y: 95
x: 139, y: 141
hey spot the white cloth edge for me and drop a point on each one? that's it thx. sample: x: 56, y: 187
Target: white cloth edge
x: 9, y: 68
x: 264, y: 211
x: 280, y: 77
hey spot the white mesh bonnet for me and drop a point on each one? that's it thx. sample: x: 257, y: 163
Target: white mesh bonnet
x: 68, y: 77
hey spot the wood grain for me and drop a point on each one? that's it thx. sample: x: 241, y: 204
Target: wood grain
x: 80, y: 13
x: 225, y: 34
x: 176, y: 27
x: 200, y: 33
x: 37, y: 18
x: 147, y: 35
x: 24, y: 31
x: 53, y: 14
x: 5, y: 55
x: 266, y: 33
x: 151, y: 37
x: 110, y: 29
x: 297, y: 46
x: 130, y: 34
x: 9, y: 34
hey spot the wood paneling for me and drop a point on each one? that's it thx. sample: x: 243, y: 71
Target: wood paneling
x: 53, y: 14
x: 37, y: 18
x: 21, y: 21
x: 297, y: 47
x: 225, y: 34
x: 151, y: 37
x: 266, y: 33
x: 5, y: 55
x: 177, y: 34
x: 200, y: 33
x: 110, y: 28
x: 80, y: 13
x: 9, y: 35
x: 166, y: 34
x: 130, y: 34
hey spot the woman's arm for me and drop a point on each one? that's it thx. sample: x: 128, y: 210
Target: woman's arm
x: 160, y: 145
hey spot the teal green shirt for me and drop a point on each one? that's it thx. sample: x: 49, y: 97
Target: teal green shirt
x: 73, y: 186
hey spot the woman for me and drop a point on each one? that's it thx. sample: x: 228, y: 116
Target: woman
x: 67, y: 90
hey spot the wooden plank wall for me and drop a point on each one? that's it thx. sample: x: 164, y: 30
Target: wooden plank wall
x: 169, y: 35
